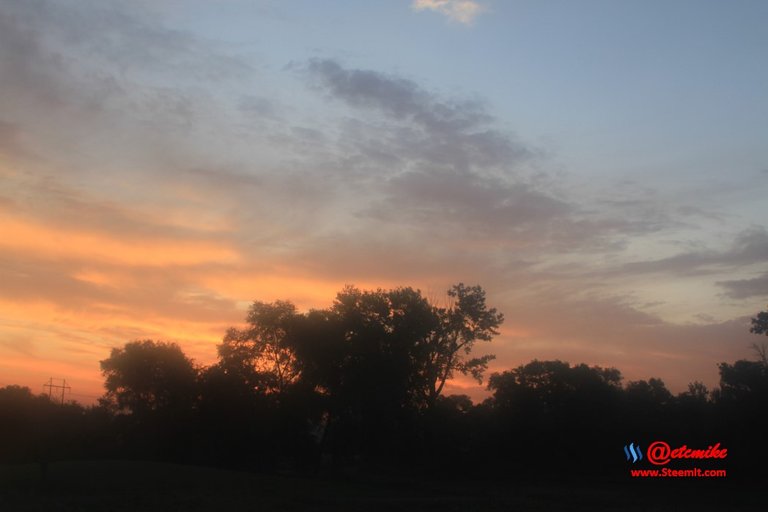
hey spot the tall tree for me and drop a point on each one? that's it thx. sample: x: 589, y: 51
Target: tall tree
x: 760, y: 323
x: 426, y: 344
x: 146, y: 376
x: 383, y: 334
x: 260, y: 353
x: 466, y: 321
x: 553, y: 385
x: 760, y: 326
x: 744, y: 381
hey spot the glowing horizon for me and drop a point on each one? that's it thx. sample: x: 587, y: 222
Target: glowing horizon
x: 165, y: 168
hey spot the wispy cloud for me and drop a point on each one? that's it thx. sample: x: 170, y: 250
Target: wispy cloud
x: 750, y: 247
x: 461, y: 11
x: 746, y: 288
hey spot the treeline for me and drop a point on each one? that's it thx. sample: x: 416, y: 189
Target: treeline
x: 359, y: 387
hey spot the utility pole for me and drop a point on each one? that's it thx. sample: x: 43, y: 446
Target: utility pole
x: 63, y: 387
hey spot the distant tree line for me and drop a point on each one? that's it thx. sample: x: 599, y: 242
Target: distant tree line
x: 359, y: 387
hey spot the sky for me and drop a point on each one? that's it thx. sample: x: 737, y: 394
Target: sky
x: 600, y: 168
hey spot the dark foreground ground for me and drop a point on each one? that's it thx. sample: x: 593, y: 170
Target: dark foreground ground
x: 145, y: 486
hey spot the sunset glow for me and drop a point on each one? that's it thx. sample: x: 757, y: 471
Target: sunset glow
x: 166, y: 167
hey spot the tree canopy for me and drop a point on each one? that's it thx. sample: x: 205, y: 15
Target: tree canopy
x: 260, y: 353
x: 760, y: 323
x: 146, y: 376
x: 367, y: 341
x: 361, y: 382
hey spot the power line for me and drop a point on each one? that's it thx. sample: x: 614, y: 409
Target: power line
x: 63, y: 387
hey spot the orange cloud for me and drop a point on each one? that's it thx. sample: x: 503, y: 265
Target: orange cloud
x: 56, y: 243
x: 280, y: 284
x: 44, y: 339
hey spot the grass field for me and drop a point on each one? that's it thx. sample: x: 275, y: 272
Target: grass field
x: 147, y: 486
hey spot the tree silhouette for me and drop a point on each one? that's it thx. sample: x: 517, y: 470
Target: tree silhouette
x: 760, y: 326
x: 652, y: 392
x: 367, y: 365
x: 23, y: 418
x: 550, y: 409
x: 385, y: 333
x: 461, y: 325
x: 147, y: 376
x: 358, y: 386
x: 744, y: 381
x: 697, y: 394
x: 551, y: 387
x: 260, y: 353
x: 760, y: 323
x: 373, y: 380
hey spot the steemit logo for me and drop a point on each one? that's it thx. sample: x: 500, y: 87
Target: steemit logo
x: 633, y: 452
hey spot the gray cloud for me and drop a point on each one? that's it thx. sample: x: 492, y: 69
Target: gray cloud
x: 456, y: 133
x: 396, y: 97
x: 436, y: 164
x: 131, y: 40
x: 11, y: 143
x: 470, y: 200
x: 746, y: 288
x: 439, y: 165
x: 392, y: 255
x: 610, y: 331
x: 88, y: 83
x: 259, y: 107
x: 749, y: 247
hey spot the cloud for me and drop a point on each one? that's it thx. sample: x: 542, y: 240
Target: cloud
x: 427, y: 169
x: 59, y: 205
x: 397, y: 97
x: 78, y: 244
x: 128, y: 81
x: 746, y: 288
x: 11, y: 146
x: 434, y: 159
x: 749, y: 247
x: 476, y: 203
x: 461, y: 11
x: 610, y: 331
x: 259, y: 107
